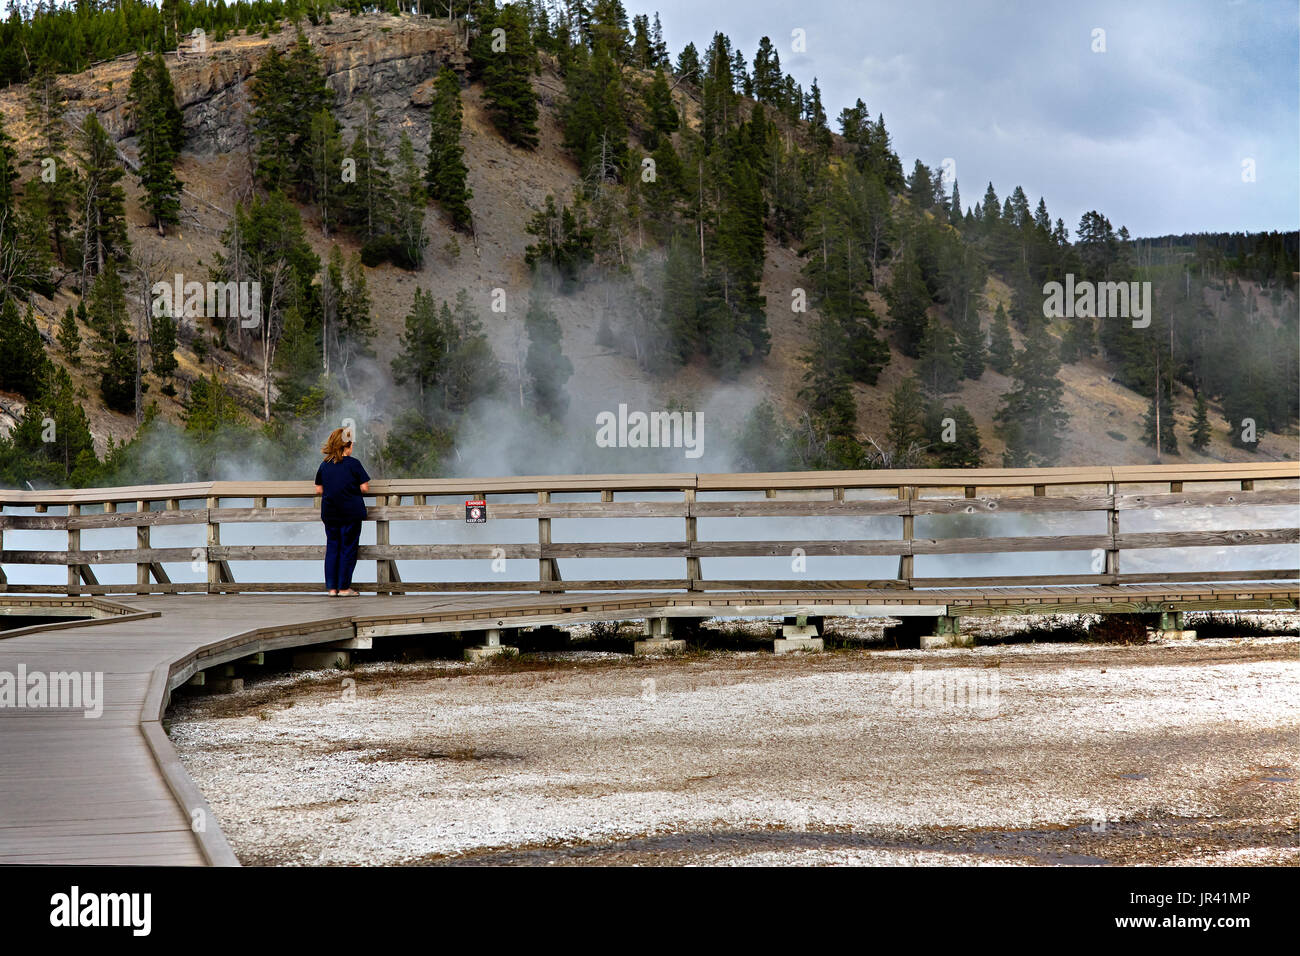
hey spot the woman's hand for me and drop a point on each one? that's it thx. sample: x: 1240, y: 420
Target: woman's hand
x: 365, y: 487
x: 319, y: 490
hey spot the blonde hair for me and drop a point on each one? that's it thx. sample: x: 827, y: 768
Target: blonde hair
x: 334, y: 445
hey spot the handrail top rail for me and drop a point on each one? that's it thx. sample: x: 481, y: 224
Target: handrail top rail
x: 683, y: 481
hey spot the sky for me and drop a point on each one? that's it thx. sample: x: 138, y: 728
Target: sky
x: 1159, y: 131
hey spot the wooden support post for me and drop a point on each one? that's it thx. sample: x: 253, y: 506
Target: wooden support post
x: 970, y: 491
x: 693, y: 574
x: 906, y: 493
x: 548, y: 571
x: 214, y: 540
x: 74, y: 544
x: 142, y: 544
x: 4, y: 582
x: 382, y: 565
x: 607, y: 495
x: 1112, y: 528
x: 1247, y: 484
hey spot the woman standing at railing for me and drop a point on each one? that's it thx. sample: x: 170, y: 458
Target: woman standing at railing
x: 341, y: 481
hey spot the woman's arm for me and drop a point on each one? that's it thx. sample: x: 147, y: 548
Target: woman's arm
x: 320, y: 490
x: 365, y: 487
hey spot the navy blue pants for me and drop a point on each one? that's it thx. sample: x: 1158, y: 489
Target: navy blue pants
x: 340, y: 555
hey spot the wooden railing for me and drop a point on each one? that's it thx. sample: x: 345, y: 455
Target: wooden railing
x: 907, y: 495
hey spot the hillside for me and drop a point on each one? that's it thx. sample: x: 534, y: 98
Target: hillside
x: 392, y: 59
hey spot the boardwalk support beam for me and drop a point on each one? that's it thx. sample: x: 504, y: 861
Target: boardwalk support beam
x: 928, y: 632
x: 491, y: 646
x: 800, y: 633
x: 658, y: 632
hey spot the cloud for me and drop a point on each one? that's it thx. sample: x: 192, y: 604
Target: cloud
x: 1151, y: 132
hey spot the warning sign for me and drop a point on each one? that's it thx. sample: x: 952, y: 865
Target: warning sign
x: 476, y: 512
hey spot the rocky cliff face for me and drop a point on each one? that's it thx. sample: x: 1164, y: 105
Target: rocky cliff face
x: 383, y: 58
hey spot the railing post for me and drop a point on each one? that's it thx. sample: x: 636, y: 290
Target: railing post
x: 74, y: 544
x: 4, y: 582
x: 141, y: 544
x: 214, y: 540
x: 543, y: 539
x: 1112, y: 525
x: 693, y: 574
x: 381, y: 540
x: 548, y: 572
x: 906, y: 493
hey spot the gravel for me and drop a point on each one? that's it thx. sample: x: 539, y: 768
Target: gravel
x: 1180, y: 752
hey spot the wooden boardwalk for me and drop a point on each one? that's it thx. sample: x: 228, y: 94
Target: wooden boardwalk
x: 111, y: 790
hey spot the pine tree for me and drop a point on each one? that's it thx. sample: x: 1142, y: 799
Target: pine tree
x: 939, y: 365
x: 547, y: 367
x: 663, y: 118
x: 1201, y: 424
x: 473, y: 368
x: 955, y: 216
x: 658, y: 48
x: 966, y: 449
x: 209, y: 408
x: 1168, y: 438
x: 162, y: 348
x: 992, y: 212
x: 157, y: 118
x: 112, y: 341
x: 425, y: 346
x: 367, y: 201
x: 102, y: 199
x: 642, y: 53
x: 69, y: 337
x: 50, y: 193
x: 1079, y: 340
x: 908, y: 300
x: 767, y: 73
x: 297, y: 368
x: 446, y: 173
x: 414, y: 447
x: 920, y: 187
x: 8, y: 176
x: 40, y: 452
x: 286, y: 92
x: 324, y: 162
x: 22, y: 354
x: 507, y: 88
x: 1031, y: 417
x: 24, y: 263
x: 829, y: 389
x: 906, y: 418
x: 821, y: 134
x: 688, y: 64
x: 411, y: 197
x: 1002, y: 353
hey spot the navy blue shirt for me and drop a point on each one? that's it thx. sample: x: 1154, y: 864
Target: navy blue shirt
x: 341, y: 501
